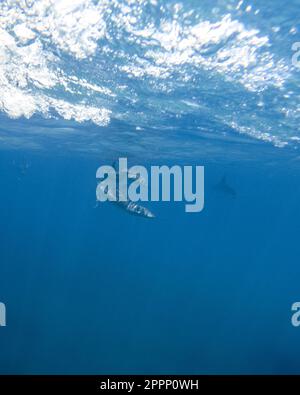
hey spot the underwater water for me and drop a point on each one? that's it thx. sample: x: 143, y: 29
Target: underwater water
x: 91, y: 289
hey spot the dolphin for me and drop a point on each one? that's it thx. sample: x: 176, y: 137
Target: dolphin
x: 225, y: 188
x: 126, y: 204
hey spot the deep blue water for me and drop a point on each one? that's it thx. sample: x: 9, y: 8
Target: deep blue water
x: 100, y: 291
x: 96, y: 290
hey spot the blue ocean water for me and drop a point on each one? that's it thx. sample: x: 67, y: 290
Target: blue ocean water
x: 94, y: 290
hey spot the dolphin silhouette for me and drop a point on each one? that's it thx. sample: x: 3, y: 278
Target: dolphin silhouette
x: 225, y: 188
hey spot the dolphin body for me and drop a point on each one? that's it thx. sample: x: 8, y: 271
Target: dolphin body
x: 225, y: 188
x: 136, y: 209
x: 126, y: 204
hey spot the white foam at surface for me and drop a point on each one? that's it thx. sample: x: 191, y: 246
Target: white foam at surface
x: 37, y: 35
x: 27, y: 68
